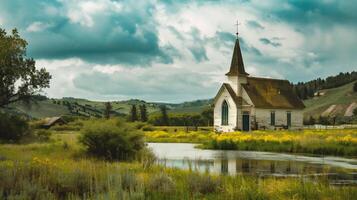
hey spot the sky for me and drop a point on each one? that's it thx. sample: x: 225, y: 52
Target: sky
x: 175, y: 51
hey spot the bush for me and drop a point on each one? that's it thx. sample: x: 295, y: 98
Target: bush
x: 43, y: 135
x: 162, y: 183
x: 12, y: 128
x: 112, y: 139
x: 148, y: 127
x: 203, y: 184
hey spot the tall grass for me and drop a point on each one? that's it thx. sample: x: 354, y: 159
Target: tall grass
x: 88, y: 179
x: 53, y: 171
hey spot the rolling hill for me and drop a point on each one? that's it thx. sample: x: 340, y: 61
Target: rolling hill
x: 83, y: 107
x: 339, y: 101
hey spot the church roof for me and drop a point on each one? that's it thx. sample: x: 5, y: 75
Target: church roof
x: 239, y: 101
x: 237, y: 65
x: 272, y: 93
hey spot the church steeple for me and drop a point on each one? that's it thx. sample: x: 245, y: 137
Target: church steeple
x: 237, y: 65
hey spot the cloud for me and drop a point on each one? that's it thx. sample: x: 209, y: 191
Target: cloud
x: 37, y: 27
x: 100, y: 31
x: 180, y: 50
x: 269, y: 42
x: 254, y: 24
x: 158, y: 83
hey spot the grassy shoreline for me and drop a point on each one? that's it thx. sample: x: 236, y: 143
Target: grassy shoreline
x: 316, y: 142
x: 57, y: 169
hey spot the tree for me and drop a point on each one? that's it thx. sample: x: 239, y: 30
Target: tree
x: 311, y: 121
x: 12, y: 127
x: 20, y: 80
x: 107, y: 110
x: 164, y: 116
x: 355, y: 87
x: 355, y: 112
x: 143, y: 113
x: 207, y: 116
x: 133, y: 114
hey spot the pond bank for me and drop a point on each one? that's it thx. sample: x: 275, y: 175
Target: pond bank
x: 317, y: 142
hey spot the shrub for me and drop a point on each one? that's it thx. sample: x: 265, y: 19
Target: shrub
x: 203, y: 184
x: 148, y: 128
x: 146, y: 157
x: 162, y: 183
x: 37, y: 124
x: 43, y: 135
x: 12, y: 128
x: 112, y: 139
x: 71, y: 126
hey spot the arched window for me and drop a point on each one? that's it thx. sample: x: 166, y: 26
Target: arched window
x: 224, y: 113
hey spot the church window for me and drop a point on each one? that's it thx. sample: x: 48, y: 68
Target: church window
x: 272, y: 118
x: 288, y: 118
x: 224, y: 113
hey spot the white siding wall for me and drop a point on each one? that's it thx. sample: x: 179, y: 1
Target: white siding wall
x: 233, y: 81
x: 232, y: 113
x: 263, y: 117
x: 236, y: 83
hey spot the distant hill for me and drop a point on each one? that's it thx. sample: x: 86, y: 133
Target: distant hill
x: 337, y: 101
x: 41, y: 108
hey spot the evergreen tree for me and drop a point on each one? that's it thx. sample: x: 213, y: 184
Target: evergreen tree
x: 107, y: 110
x: 143, y: 113
x: 164, y: 116
x: 133, y: 114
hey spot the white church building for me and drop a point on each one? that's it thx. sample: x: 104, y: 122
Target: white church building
x: 248, y: 103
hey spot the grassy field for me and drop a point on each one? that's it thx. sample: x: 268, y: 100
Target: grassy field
x: 58, y: 169
x: 321, y: 142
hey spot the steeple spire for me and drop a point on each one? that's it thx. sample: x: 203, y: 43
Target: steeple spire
x: 237, y: 65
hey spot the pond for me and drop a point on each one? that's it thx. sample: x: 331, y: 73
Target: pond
x: 338, y: 170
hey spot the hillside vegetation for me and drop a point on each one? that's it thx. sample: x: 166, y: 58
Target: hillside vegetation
x: 339, y: 99
x: 44, y: 107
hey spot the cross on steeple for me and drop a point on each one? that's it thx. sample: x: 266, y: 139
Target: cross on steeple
x: 237, y: 24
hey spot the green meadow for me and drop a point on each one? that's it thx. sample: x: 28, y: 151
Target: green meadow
x: 54, y: 164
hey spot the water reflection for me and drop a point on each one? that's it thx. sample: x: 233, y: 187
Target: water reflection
x: 263, y: 164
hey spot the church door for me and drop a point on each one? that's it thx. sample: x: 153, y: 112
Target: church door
x: 245, y: 121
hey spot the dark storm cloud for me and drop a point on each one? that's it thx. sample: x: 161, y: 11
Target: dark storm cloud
x: 128, y: 36
x: 321, y: 13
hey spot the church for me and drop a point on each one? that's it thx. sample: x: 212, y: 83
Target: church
x: 248, y: 103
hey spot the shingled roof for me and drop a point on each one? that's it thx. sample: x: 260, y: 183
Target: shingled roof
x: 272, y: 93
x: 237, y: 65
x: 239, y: 101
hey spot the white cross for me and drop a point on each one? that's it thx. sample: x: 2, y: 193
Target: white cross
x: 237, y: 24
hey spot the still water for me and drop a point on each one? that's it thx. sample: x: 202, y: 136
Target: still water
x: 264, y: 164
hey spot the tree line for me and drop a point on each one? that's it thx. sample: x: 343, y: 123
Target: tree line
x: 305, y: 90
x: 164, y: 118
